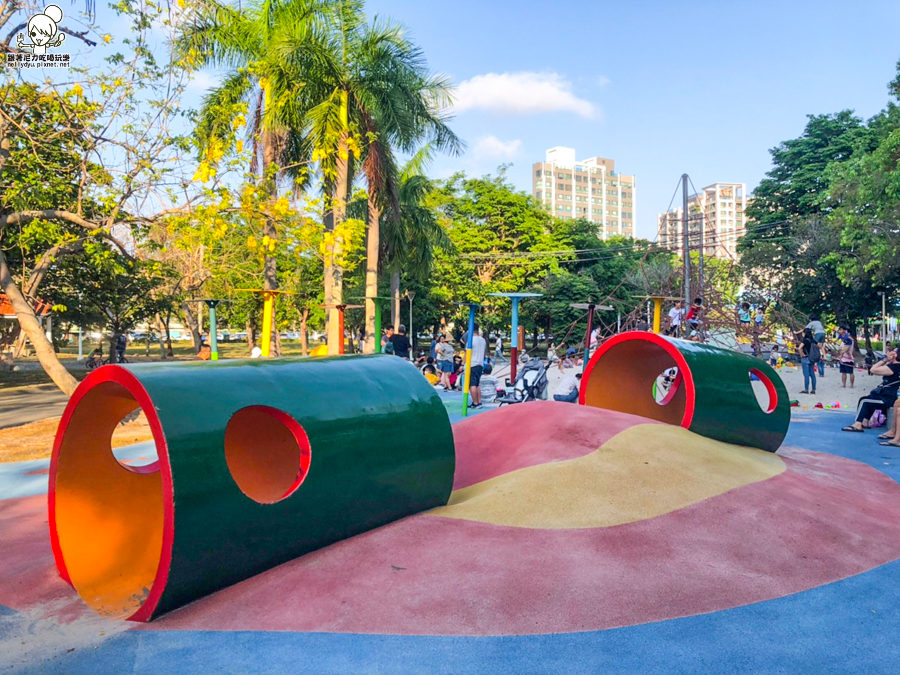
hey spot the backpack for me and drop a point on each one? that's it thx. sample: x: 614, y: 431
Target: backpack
x: 815, y: 355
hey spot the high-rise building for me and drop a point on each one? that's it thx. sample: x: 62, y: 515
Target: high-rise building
x: 721, y: 208
x: 588, y: 189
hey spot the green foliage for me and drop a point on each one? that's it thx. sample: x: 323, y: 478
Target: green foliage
x: 106, y: 289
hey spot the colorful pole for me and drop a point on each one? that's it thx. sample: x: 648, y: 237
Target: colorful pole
x: 514, y: 341
x: 657, y: 313
x: 377, y: 302
x: 269, y: 299
x: 340, y: 309
x: 213, y: 338
x: 468, y: 366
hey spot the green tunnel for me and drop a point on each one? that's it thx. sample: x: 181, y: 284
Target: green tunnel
x: 258, y: 462
x: 712, y: 393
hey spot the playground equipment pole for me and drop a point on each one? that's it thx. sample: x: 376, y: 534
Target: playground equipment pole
x: 686, y: 241
x: 514, y: 336
x: 468, y: 366
x: 657, y: 312
x: 213, y: 338
x: 268, y: 306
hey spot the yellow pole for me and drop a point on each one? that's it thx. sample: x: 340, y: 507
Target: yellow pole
x: 267, y: 323
x: 657, y: 313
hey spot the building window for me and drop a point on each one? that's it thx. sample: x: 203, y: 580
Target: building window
x: 538, y: 173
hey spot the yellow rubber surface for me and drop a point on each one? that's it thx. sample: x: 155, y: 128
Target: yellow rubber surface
x: 645, y: 471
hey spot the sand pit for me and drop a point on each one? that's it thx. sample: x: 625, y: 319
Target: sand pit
x: 644, y: 471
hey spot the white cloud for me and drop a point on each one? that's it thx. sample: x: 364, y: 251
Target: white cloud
x: 524, y: 93
x: 603, y: 80
x: 491, y: 147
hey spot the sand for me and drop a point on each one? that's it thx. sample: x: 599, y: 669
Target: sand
x: 35, y: 440
x: 643, y: 472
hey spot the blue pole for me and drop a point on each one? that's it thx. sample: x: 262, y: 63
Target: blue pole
x: 468, y: 371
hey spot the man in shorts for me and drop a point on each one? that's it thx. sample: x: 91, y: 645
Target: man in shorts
x: 478, y: 349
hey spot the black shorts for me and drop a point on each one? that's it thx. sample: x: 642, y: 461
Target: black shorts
x: 475, y: 376
x: 846, y: 369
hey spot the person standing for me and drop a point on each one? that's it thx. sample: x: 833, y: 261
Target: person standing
x: 444, y: 359
x: 121, y: 344
x: 818, y: 333
x: 845, y: 361
x: 478, y: 349
x: 401, y: 343
x: 676, y: 314
x: 498, y: 349
x: 807, y: 363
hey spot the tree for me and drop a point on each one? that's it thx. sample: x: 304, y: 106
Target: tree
x: 787, y: 252
x: 107, y: 289
x: 273, y: 51
x: 110, y: 181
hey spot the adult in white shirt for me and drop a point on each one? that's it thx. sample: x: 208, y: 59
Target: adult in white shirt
x: 567, y: 390
x: 498, y: 349
x: 676, y: 314
x: 479, y: 346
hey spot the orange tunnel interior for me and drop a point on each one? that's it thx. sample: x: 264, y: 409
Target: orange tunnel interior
x: 109, y: 518
x: 623, y: 377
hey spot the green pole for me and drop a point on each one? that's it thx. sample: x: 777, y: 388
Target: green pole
x: 377, y: 302
x: 213, y: 344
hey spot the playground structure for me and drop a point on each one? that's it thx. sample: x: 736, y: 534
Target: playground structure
x: 259, y: 462
x: 222, y: 500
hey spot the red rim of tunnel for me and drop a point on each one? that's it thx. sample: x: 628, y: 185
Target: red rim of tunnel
x: 770, y: 388
x: 300, y: 436
x: 669, y: 346
x: 119, y: 375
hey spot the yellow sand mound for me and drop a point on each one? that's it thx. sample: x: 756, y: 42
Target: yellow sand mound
x: 645, y: 471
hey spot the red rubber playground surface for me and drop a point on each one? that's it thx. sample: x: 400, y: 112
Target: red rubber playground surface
x: 793, y: 571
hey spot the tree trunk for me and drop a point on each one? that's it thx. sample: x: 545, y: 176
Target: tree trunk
x: 169, y: 353
x: 304, y: 335
x: 163, y: 334
x: 32, y: 328
x: 372, y: 248
x: 335, y: 248
x: 395, y: 299
x: 251, y: 342
x: 192, y: 324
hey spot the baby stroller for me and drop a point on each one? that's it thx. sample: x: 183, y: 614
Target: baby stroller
x: 531, y: 384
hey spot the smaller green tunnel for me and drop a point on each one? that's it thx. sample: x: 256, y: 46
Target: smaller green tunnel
x: 711, y: 392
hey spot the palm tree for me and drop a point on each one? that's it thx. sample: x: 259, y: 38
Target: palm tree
x: 413, y: 235
x: 245, y: 41
x: 372, y: 97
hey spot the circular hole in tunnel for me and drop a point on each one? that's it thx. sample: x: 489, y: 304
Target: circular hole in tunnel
x: 666, y: 385
x: 267, y: 452
x: 625, y: 378
x: 108, y: 514
x: 764, y: 391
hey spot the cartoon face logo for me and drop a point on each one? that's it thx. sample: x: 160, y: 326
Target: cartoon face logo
x: 42, y: 29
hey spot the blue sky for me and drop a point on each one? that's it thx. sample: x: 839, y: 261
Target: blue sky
x: 661, y: 87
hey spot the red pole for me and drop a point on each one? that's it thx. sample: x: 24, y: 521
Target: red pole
x: 341, y: 328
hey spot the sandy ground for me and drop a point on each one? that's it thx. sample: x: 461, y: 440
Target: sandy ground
x: 35, y: 440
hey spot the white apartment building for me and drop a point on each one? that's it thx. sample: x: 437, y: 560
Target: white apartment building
x: 721, y: 208
x: 589, y: 189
